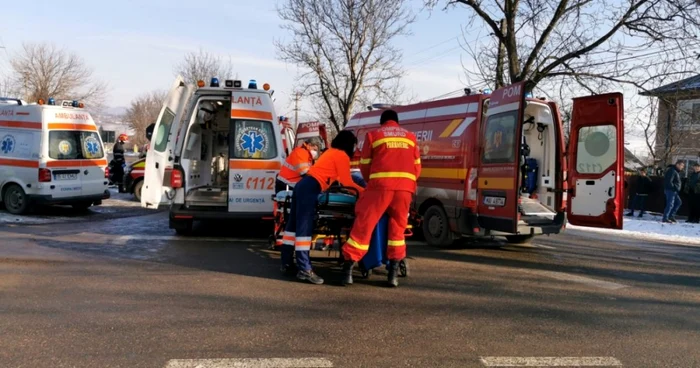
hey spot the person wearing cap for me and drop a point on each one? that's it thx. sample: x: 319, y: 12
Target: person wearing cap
x: 333, y: 165
x: 693, y: 191
x: 390, y: 163
x: 119, y: 161
x: 297, y: 164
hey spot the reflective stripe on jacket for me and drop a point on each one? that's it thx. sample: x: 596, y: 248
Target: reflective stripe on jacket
x: 391, y: 158
x: 297, y: 164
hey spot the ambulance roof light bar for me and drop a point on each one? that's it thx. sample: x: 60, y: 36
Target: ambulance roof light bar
x: 252, y: 84
x: 8, y: 99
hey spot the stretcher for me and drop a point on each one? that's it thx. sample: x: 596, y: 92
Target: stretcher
x: 335, y: 215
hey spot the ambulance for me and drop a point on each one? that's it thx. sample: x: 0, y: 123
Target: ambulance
x: 50, y: 154
x: 214, y: 153
x: 497, y: 164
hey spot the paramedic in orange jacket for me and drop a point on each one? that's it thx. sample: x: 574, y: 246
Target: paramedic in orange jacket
x: 390, y: 162
x: 332, y: 166
x: 297, y: 164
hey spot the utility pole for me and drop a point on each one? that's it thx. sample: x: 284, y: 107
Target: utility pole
x: 297, y: 97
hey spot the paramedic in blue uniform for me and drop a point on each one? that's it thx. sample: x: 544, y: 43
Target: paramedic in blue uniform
x: 333, y: 165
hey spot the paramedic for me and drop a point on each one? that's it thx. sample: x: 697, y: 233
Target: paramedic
x: 297, y: 164
x: 390, y: 162
x: 118, y: 161
x: 333, y: 165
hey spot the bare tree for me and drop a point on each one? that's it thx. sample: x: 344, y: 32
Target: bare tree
x: 591, y: 41
x: 344, y: 48
x: 142, y: 112
x: 41, y: 71
x: 203, y: 66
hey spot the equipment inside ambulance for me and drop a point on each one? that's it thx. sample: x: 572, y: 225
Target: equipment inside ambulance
x: 497, y: 164
x: 50, y: 154
x: 214, y: 153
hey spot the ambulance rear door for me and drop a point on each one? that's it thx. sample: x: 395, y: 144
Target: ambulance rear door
x: 161, y: 152
x: 255, y: 153
x: 596, y: 162
x: 498, y: 196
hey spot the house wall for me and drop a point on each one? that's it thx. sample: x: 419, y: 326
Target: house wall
x: 685, y: 138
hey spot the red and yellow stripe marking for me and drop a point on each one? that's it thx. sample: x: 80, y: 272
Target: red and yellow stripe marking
x: 77, y: 163
x: 254, y: 165
x: 438, y: 173
x: 72, y: 126
x: 34, y: 164
x: 20, y: 124
x: 497, y: 183
x: 451, y: 128
x: 251, y: 114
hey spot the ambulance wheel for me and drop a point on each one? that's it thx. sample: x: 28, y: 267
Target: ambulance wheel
x: 403, y: 268
x: 81, y: 206
x: 436, y: 227
x: 519, y: 239
x: 15, y: 200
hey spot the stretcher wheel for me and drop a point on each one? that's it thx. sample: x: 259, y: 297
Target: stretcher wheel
x: 365, y: 273
x: 403, y: 268
x: 271, y: 241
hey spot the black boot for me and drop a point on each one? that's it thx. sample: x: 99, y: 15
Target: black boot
x: 394, y: 273
x: 347, y: 272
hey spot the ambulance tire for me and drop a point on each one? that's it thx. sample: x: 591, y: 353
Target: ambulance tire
x: 182, y: 227
x: 15, y: 200
x: 81, y: 206
x: 436, y: 227
x: 519, y: 239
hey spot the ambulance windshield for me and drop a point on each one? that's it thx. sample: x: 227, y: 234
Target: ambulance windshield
x: 72, y: 145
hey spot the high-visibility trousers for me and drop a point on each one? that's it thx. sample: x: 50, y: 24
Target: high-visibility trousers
x: 370, y: 207
x: 301, y: 222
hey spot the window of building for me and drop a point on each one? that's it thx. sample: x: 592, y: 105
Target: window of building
x: 688, y: 113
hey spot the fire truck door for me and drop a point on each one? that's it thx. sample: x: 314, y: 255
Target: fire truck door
x: 500, y: 160
x: 596, y: 162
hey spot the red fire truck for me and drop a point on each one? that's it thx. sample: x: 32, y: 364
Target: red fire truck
x: 311, y: 129
x: 498, y: 165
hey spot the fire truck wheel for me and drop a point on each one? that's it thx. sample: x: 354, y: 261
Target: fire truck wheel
x: 436, y: 227
x: 137, y: 190
x: 519, y: 239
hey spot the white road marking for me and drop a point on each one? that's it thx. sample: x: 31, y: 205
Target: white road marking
x: 250, y: 363
x: 550, y: 362
x: 576, y: 278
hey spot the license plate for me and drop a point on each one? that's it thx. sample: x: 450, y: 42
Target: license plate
x: 495, y: 201
x: 66, y: 176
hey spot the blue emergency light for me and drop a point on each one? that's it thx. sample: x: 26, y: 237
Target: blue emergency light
x: 214, y: 82
x: 75, y: 103
x: 528, y: 95
x: 487, y: 91
x: 52, y: 101
x: 253, y: 84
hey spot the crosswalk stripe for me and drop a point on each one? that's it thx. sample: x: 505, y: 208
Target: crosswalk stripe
x: 550, y: 362
x: 251, y: 363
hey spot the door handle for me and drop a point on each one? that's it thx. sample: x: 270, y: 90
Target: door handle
x: 170, y: 158
x: 610, y: 190
x: 157, y: 166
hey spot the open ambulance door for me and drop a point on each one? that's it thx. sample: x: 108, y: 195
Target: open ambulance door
x: 161, y: 155
x: 596, y: 162
x: 499, y: 167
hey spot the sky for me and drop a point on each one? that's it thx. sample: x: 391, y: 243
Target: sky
x: 135, y: 45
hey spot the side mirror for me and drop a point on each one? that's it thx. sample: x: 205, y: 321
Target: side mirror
x: 149, y: 131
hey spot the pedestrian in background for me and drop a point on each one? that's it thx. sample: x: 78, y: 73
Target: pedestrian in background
x: 692, y: 188
x: 641, y: 193
x: 672, y: 188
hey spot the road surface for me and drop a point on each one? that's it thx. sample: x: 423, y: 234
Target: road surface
x: 127, y: 292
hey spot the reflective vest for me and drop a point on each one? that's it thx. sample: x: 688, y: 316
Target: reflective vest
x: 296, y: 165
x: 355, y: 162
x: 390, y: 158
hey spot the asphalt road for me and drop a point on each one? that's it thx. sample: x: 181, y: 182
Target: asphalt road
x: 128, y: 293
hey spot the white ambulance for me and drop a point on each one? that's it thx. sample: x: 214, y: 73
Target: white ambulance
x: 215, y: 152
x: 50, y: 154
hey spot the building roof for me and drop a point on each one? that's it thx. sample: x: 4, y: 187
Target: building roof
x: 631, y: 161
x: 691, y: 84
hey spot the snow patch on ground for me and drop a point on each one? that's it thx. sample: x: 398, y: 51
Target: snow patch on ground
x: 650, y: 227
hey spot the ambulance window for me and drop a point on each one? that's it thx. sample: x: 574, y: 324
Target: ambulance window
x: 164, y: 125
x: 596, y: 149
x: 499, y: 138
x: 253, y: 139
x: 71, y: 145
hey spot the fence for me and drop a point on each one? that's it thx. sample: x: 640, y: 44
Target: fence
x: 656, y: 200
